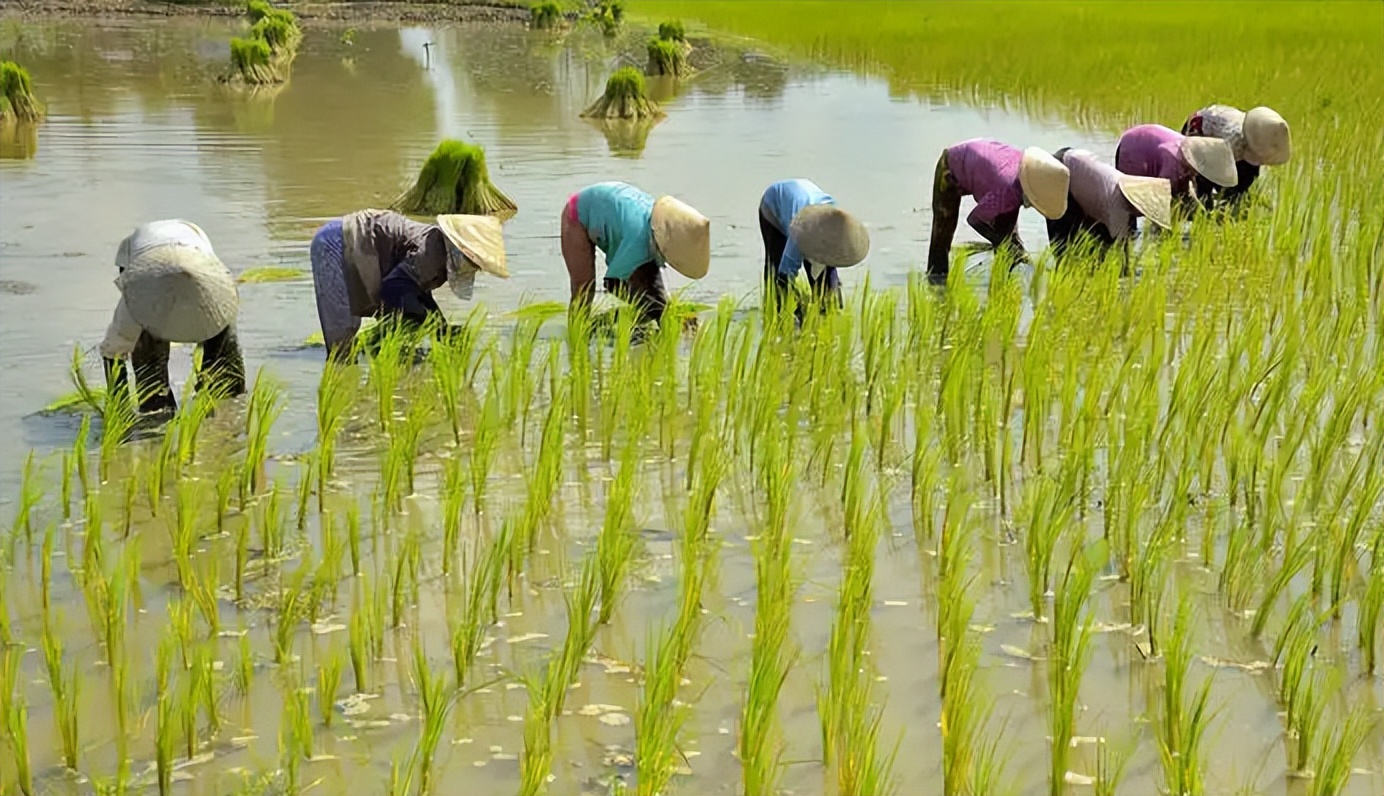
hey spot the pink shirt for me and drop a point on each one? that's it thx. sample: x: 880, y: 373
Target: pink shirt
x: 1152, y: 150
x: 989, y: 171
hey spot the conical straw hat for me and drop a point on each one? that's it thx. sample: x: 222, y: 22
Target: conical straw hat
x: 683, y: 237
x: 828, y: 235
x: 1212, y: 158
x: 1267, y: 137
x: 480, y: 238
x: 1045, y: 181
x: 179, y: 294
x: 1151, y: 196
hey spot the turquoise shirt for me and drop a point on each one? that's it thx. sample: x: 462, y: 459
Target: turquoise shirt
x: 618, y: 217
x: 781, y: 204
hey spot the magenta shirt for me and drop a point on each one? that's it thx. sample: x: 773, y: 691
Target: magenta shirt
x: 1152, y: 150
x: 989, y: 171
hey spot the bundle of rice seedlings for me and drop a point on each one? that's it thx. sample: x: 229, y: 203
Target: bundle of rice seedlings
x: 17, y: 94
x: 545, y: 15
x: 608, y: 14
x: 626, y: 97
x: 667, y: 57
x: 252, y: 62
x: 672, y: 30
x: 454, y: 179
x: 280, y: 31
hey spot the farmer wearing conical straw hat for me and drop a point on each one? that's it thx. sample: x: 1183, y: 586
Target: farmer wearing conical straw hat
x: 1258, y: 137
x: 638, y: 235
x: 173, y: 289
x: 380, y: 263
x: 1104, y: 204
x: 1192, y: 166
x: 1002, y: 179
x: 802, y: 229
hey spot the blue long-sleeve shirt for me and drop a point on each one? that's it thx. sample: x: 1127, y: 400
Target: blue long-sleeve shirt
x: 781, y: 203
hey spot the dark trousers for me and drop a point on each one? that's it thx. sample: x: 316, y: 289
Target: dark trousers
x: 1075, y: 226
x: 222, y: 370
x: 644, y: 290
x: 946, y: 214
x: 825, y: 288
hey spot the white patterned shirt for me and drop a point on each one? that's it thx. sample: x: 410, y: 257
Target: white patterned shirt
x: 1223, y: 122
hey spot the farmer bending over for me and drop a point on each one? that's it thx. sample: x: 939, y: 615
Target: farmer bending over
x: 1193, y: 167
x: 638, y: 236
x: 1103, y: 204
x: 1002, y: 179
x: 173, y: 289
x: 378, y: 263
x: 802, y: 226
x: 1257, y: 138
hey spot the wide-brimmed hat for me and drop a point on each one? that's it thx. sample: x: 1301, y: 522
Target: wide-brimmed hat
x: 1151, y: 196
x: 1045, y: 181
x: 1212, y: 158
x: 828, y: 235
x: 1267, y: 137
x: 179, y: 293
x: 683, y: 237
x: 480, y: 238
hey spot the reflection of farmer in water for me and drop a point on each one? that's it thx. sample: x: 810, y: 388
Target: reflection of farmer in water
x: 1104, y: 205
x: 377, y: 262
x: 638, y: 236
x: 173, y: 289
x: 802, y: 229
x: 1002, y: 179
x: 1257, y: 138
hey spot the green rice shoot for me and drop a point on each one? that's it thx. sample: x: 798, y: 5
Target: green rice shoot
x: 455, y: 179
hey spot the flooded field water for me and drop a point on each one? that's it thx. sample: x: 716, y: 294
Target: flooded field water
x: 137, y: 131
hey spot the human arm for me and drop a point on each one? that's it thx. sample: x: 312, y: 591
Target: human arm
x: 121, y: 337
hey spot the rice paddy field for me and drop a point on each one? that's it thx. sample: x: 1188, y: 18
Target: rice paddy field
x: 1036, y: 531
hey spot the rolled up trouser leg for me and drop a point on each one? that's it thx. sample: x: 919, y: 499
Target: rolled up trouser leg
x: 946, y: 211
x: 339, y: 324
x: 152, y: 385
x: 223, y: 367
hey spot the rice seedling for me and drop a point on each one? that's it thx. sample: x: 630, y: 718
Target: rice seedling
x: 581, y: 631
x: 17, y: 727
x: 1334, y: 755
x: 262, y: 409
x: 30, y: 493
x: 304, y: 490
x: 536, y: 762
x: 455, y: 179
x: 290, y: 610
x: 468, y: 624
x: 404, y: 584
x: 66, y: 693
x: 545, y: 15
x: 484, y: 446
x: 1070, y: 652
x: 328, y: 684
x: 1184, y: 714
x: 436, y: 702
x: 118, y: 419
x: 615, y: 546
x: 353, y: 538
x: 626, y: 97
x: 164, y: 717
x: 658, y: 717
x: 1371, y: 611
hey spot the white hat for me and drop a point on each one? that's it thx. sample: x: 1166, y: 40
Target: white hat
x: 1151, y: 196
x: 179, y: 293
x: 828, y: 235
x: 1212, y: 158
x: 683, y: 237
x: 1044, y: 180
x: 480, y: 238
x: 1267, y: 137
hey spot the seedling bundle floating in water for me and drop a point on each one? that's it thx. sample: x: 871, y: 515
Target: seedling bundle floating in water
x: 626, y: 97
x: 17, y: 102
x: 455, y: 179
x: 265, y: 55
x: 545, y: 15
x: 668, y: 51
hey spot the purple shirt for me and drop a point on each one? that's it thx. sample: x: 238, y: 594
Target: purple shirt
x: 1152, y: 150
x: 989, y: 171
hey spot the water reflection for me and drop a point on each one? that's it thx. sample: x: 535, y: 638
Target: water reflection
x: 18, y: 140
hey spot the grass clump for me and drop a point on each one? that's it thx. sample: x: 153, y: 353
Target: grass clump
x: 626, y: 97
x: 455, y: 179
x: 545, y: 15
x: 17, y: 100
